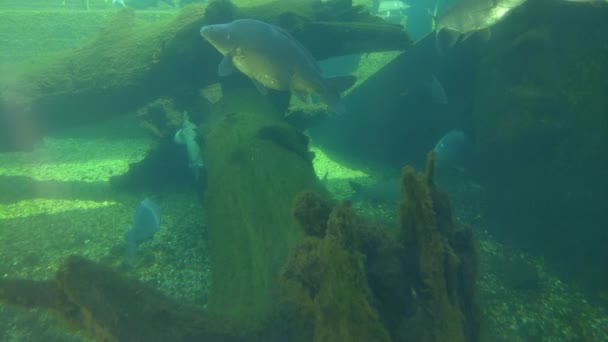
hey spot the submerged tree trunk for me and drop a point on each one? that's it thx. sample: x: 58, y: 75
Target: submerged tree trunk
x: 256, y: 165
x: 131, y: 62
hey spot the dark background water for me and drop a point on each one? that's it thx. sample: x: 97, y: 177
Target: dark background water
x: 531, y: 99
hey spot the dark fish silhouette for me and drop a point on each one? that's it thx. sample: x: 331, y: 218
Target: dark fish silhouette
x: 450, y: 149
x: 145, y: 224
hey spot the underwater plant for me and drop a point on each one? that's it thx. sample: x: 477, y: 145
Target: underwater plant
x: 359, y: 282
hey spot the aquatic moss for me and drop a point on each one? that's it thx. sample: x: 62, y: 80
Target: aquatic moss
x: 252, y: 183
x: 330, y: 273
x: 419, y: 285
x: 106, y: 305
x: 160, y: 117
x: 312, y: 211
x: 131, y: 62
x: 446, y: 311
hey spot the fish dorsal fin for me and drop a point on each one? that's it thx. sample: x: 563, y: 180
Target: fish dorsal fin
x: 301, y: 47
x: 226, y: 66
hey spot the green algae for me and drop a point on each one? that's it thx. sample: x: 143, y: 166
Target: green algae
x: 252, y: 181
x: 356, y: 279
x: 326, y: 273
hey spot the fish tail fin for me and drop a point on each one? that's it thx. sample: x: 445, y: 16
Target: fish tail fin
x: 334, y: 86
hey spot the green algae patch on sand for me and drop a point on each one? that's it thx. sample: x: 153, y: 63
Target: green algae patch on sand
x: 253, y: 177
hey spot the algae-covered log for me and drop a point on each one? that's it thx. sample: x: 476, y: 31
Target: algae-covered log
x: 358, y: 281
x: 327, y: 273
x: 256, y: 164
x: 106, y: 305
x: 444, y: 277
x: 131, y: 63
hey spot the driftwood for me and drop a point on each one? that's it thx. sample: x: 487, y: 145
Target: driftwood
x: 106, y: 305
x: 131, y: 63
x: 256, y: 163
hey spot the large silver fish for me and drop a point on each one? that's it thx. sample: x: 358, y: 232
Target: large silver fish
x: 273, y: 59
x: 471, y: 17
x: 466, y: 16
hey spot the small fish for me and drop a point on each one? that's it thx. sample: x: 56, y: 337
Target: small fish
x: 273, y: 59
x: 471, y: 15
x: 187, y: 136
x: 449, y: 150
x: 120, y: 2
x: 145, y: 224
x: 468, y: 18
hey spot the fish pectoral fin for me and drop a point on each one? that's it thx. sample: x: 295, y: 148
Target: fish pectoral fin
x: 260, y: 87
x: 340, y: 83
x: 226, y: 66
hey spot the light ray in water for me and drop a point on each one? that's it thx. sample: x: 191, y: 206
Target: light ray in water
x: 38, y: 206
